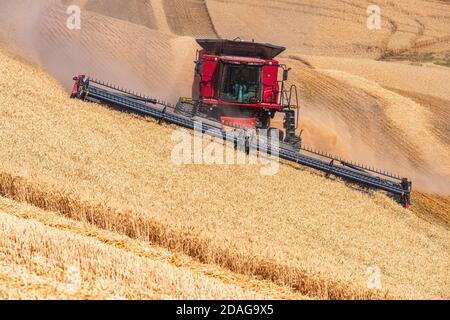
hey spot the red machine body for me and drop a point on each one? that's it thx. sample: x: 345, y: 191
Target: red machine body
x: 237, y: 81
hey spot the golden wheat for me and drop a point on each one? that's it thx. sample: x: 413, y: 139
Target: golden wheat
x: 37, y: 258
x: 113, y: 170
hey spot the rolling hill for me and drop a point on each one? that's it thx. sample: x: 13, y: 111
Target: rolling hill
x: 80, y: 175
x: 114, y: 171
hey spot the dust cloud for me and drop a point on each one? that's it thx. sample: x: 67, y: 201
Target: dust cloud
x: 112, y: 50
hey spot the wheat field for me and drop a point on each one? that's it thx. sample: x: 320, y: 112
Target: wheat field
x: 336, y: 28
x: 114, y: 171
x: 47, y: 256
x: 339, y: 117
x: 105, y: 179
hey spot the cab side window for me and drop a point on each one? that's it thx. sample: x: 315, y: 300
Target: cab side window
x: 199, y: 66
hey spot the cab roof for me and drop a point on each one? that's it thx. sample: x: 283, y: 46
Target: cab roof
x: 221, y: 47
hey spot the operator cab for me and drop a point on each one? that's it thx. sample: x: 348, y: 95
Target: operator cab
x: 237, y: 83
x: 241, y: 83
x: 234, y: 75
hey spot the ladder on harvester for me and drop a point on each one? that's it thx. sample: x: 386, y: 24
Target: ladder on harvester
x: 291, y: 118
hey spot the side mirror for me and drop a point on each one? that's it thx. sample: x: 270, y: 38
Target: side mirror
x: 285, y: 75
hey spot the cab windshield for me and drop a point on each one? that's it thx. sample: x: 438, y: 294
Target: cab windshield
x: 241, y: 83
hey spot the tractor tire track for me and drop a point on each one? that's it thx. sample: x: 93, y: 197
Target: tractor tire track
x: 190, y: 18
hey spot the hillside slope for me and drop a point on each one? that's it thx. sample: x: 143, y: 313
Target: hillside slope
x: 115, y: 171
x: 344, y: 115
x: 359, y: 119
x: 337, y: 28
x: 64, y: 259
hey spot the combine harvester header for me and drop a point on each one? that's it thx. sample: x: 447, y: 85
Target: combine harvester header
x: 236, y: 85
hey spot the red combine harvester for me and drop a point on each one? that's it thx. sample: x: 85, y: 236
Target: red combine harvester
x: 238, y: 84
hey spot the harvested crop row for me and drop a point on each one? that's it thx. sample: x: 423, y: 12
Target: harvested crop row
x: 338, y: 28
